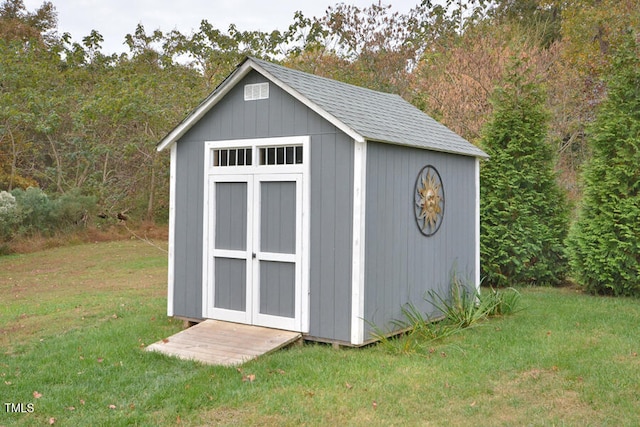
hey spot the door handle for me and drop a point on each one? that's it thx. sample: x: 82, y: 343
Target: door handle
x: 253, y: 255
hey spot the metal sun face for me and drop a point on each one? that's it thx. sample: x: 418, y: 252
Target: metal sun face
x: 429, y: 200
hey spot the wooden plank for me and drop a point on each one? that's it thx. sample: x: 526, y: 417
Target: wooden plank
x: 223, y: 343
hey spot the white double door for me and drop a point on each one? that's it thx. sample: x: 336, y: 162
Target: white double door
x: 254, y: 257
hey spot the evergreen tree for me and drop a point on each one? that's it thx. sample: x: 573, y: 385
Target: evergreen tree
x: 604, y: 244
x: 524, y: 215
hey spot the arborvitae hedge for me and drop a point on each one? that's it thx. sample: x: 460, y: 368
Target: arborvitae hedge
x: 604, y: 243
x: 524, y: 215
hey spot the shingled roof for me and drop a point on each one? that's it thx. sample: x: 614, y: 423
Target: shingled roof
x: 362, y: 113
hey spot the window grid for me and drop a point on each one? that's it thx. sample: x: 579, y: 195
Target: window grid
x: 281, y: 155
x: 232, y: 156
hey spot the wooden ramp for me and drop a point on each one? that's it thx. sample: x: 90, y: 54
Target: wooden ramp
x: 223, y: 343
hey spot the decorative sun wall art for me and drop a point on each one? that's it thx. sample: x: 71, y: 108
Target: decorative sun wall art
x: 429, y: 200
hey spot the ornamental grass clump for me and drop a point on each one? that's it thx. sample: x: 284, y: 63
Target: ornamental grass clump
x: 461, y: 309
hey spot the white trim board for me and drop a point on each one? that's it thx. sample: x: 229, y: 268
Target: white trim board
x: 358, y: 247
x: 172, y: 230
x: 477, y: 224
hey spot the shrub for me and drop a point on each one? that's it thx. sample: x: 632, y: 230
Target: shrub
x: 72, y: 209
x: 604, y: 244
x: 524, y: 216
x: 8, y: 215
x: 37, y: 213
x: 34, y: 208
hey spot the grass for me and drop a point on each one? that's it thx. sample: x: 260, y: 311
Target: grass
x: 73, y: 322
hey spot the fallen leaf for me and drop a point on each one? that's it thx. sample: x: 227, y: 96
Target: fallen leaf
x: 374, y: 404
x: 250, y: 378
x: 100, y: 359
x: 112, y: 406
x: 548, y: 333
x: 443, y: 354
x: 52, y: 421
x: 71, y: 408
x: 81, y: 401
x: 115, y: 316
x: 165, y: 340
x: 7, y: 382
x: 132, y: 406
x: 473, y: 404
x: 348, y: 386
x: 37, y: 395
x: 555, y: 368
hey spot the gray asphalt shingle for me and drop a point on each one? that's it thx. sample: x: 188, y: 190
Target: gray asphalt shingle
x: 376, y: 116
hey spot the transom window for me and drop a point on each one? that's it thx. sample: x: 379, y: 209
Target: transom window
x: 241, y: 156
x: 282, y: 155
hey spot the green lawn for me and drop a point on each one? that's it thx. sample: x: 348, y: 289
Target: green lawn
x: 74, y: 320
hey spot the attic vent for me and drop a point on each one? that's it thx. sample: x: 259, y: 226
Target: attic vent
x: 256, y: 91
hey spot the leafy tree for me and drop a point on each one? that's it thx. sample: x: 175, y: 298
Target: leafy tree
x: 539, y: 17
x: 604, y: 243
x: 16, y: 23
x: 524, y: 217
x: 371, y: 47
x: 590, y: 30
x: 455, y: 77
x: 26, y: 39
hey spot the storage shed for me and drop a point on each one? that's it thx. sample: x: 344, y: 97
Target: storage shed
x: 301, y: 203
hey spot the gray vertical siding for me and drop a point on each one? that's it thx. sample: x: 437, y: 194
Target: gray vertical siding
x: 331, y: 201
x: 401, y: 264
x: 187, y: 295
x: 331, y: 237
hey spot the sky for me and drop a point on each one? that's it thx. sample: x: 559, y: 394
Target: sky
x: 114, y: 19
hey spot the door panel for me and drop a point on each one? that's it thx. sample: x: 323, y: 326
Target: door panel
x: 231, y: 284
x: 231, y: 215
x: 230, y: 250
x: 278, y: 217
x: 277, y: 288
x: 277, y: 270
